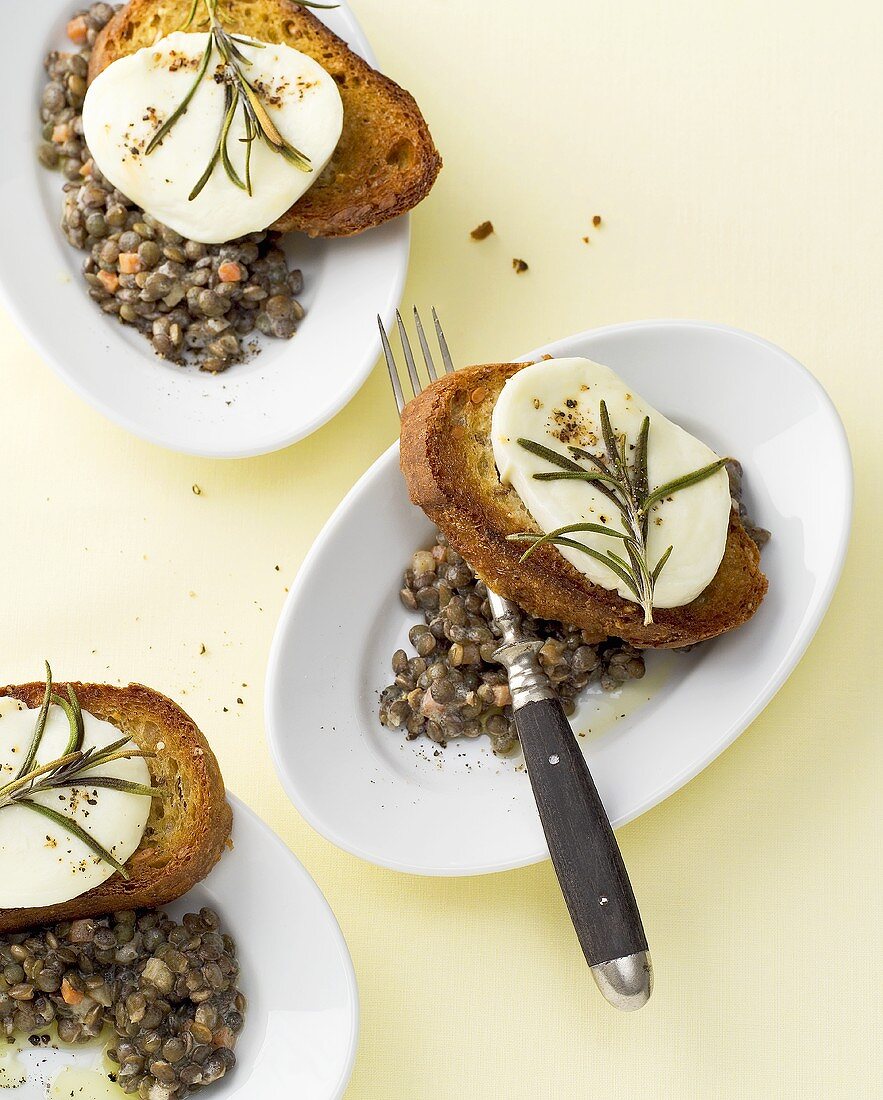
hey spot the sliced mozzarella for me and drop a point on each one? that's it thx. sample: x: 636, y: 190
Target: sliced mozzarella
x: 556, y: 402
x: 131, y: 99
x: 40, y: 862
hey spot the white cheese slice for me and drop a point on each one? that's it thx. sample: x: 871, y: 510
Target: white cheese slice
x: 131, y: 99
x: 556, y: 402
x: 40, y: 862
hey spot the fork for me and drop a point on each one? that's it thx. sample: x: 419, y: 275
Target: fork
x: 584, y: 851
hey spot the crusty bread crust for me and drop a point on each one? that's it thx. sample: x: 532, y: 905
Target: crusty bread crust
x: 188, y: 827
x: 385, y: 162
x: 448, y: 463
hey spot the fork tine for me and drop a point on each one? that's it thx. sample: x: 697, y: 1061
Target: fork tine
x: 424, y: 347
x: 391, y: 367
x: 443, y: 344
x: 416, y: 384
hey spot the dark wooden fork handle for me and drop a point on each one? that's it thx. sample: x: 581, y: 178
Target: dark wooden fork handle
x: 584, y: 850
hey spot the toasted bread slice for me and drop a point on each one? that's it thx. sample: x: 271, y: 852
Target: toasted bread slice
x: 448, y: 463
x: 188, y: 827
x: 385, y: 161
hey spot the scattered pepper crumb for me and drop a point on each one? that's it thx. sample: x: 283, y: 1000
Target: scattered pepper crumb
x: 197, y: 491
x: 520, y: 266
x: 596, y: 221
x: 481, y: 232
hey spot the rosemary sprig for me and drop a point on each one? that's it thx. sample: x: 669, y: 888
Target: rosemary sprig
x: 72, y: 769
x: 239, y: 92
x: 626, y: 486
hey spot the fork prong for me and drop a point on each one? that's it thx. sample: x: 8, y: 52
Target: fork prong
x: 391, y: 367
x: 443, y: 344
x: 416, y: 384
x: 424, y: 347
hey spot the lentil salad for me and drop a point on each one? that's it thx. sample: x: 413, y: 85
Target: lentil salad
x: 166, y: 990
x: 452, y: 687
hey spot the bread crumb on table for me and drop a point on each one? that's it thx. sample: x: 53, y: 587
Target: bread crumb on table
x: 480, y: 232
x: 520, y: 266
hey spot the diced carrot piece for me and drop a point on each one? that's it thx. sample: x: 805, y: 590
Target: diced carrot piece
x: 229, y: 272
x: 130, y: 263
x: 86, y: 169
x: 109, y: 280
x: 502, y: 698
x: 61, y: 133
x: 69, y: 995
x: 77, y: 29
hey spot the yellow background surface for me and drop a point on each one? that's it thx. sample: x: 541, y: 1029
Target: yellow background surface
x: 734, y: 153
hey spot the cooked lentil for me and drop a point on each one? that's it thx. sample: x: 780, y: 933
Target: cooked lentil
x: 452, y: 688
x: 758, y: 535
x: 194, y: 302
x: 167, y: 990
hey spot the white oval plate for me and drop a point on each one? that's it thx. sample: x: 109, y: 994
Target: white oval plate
x: 301, y: 1027
x: 287, y: 391
x: 461, y: 810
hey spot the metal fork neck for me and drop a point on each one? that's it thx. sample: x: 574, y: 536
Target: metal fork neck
x: 527, y: 681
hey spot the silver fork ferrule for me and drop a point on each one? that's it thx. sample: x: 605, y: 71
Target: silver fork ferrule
x: 626, y: 982
x: 527, y: 681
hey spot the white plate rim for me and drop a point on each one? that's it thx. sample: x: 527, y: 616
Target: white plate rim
x: 800, y: 643
x: 33, y: 334
x: 240, y: 810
